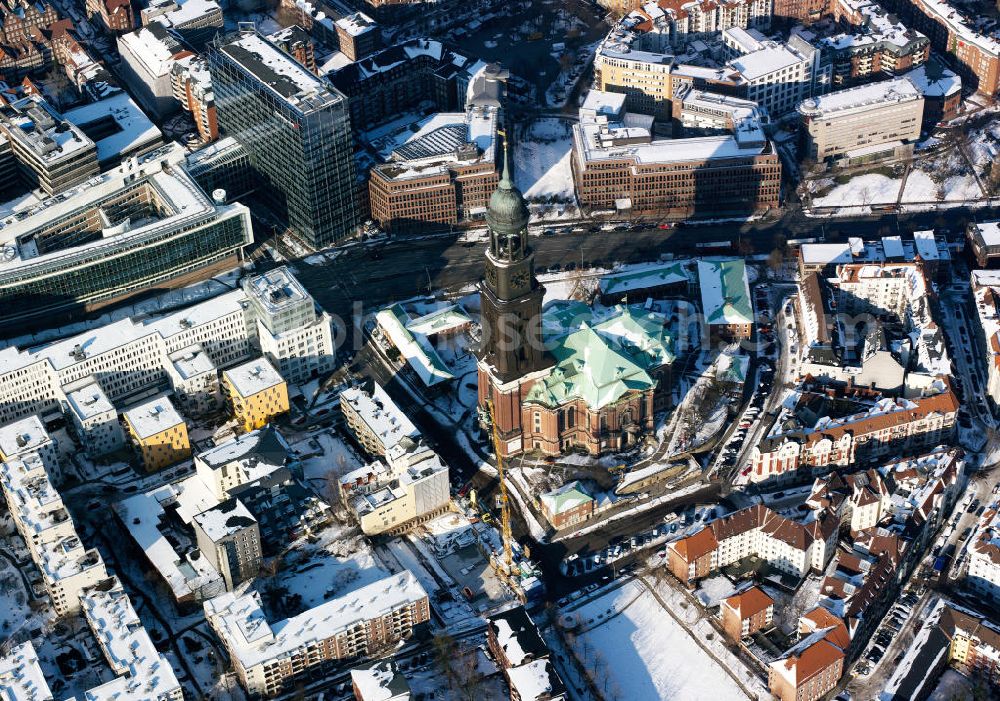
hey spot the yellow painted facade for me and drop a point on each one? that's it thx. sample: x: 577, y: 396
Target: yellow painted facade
x: 163, y: 448
x: 258, y: 409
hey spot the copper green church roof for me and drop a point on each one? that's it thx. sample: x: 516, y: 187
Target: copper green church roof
x: 600, y: 356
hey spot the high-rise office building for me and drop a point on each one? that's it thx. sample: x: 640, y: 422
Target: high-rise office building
x: 297, y: 131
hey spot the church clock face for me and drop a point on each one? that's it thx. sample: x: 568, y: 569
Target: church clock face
x: 519, y: 280
x: 491, y: 275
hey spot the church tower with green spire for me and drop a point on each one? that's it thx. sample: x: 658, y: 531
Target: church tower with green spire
x: 511, y: 296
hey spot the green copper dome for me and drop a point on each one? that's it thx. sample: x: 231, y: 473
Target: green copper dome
x: 507, y: 212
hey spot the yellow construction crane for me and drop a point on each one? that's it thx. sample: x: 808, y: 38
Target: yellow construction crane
x: 508, y: 553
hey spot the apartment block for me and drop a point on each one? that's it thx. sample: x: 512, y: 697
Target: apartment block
x: 192, y: 88
x: 127, y: 647
x: 409, y: 485
x: 94, y: 418
x: 777, y: 76
x: 875, y: 429
x: 158, y: 433
x: 863, y: 123
x: 115, y: 16
x: 267, y: 657
x: 807, y: 671
x: 228, y: 535
x: 954, y: 33
x: 294, y: 334
x: 256, y: 393
x: 39, y: 515
x: 376, y: 420
x: 523, y: 656
x: 876, y: 44
x: 28, y: 436
x: 194, y: 378
x: 746, y: 613
x: 792, y: 547
x: 396, y: 79
x: 984, y: 242
x: 133, y: 357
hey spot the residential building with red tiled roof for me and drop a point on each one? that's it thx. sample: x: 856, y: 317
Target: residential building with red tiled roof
x: 882, y: 429
x: 789, y: 546
x: 745, y: 613
x: 808, y: 671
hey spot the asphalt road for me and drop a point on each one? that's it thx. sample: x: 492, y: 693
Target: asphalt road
x: 412, y: 266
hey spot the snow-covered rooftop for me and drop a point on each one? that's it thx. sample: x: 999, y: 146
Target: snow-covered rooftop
x: 186, y: 575
x: 380, y: 681
x: 89, y: 401
x: 357, y: 24
x: 23, y: 436
x: 37, y: 127
x: 222, y: 521
x: 415, y: 347
x: 725, y: 292
x: 276, y: 289
x: 21, y: 677
x: 181, y: 202
x: 945, y: 82
x: 770, y: 59
x: 132, y: 132
x: 281, y: 73
x: 152, y: 416
x: 860, y: 98
x: 249, y: 636
x: 989, y: 232
x: 380, y: 414
x: 142, y: 672
x: 192, y: 361
x: 253, y: 376
x: 602, y: 142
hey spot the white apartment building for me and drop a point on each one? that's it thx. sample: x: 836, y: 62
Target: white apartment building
x: 195, y: 379
x: 247, y: 458
x: 983, y: 575
x: 786, y: 545
x: 296, y: 338
x: 130, y: 358
x: 19, y: 439
x: 410, y: 485
x: 140, y: 670
x: 393, y: 497
x: 376, y: 421
x: 21, y: 677
x: 94, y: 417
x: 368, y: 619
x: 43, y: 521
x: 778, y: 76
x: 864, y: 122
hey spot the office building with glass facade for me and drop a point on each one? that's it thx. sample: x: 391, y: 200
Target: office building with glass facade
x: 296, y: 129
x: 142, y: 225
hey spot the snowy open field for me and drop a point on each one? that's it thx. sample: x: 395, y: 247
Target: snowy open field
x: 542, y: 160
x: 640, y: 652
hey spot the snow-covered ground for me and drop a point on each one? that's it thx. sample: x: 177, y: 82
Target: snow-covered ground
x: 542, y: 160
x: 634, y: 649
x: 870, y: 188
